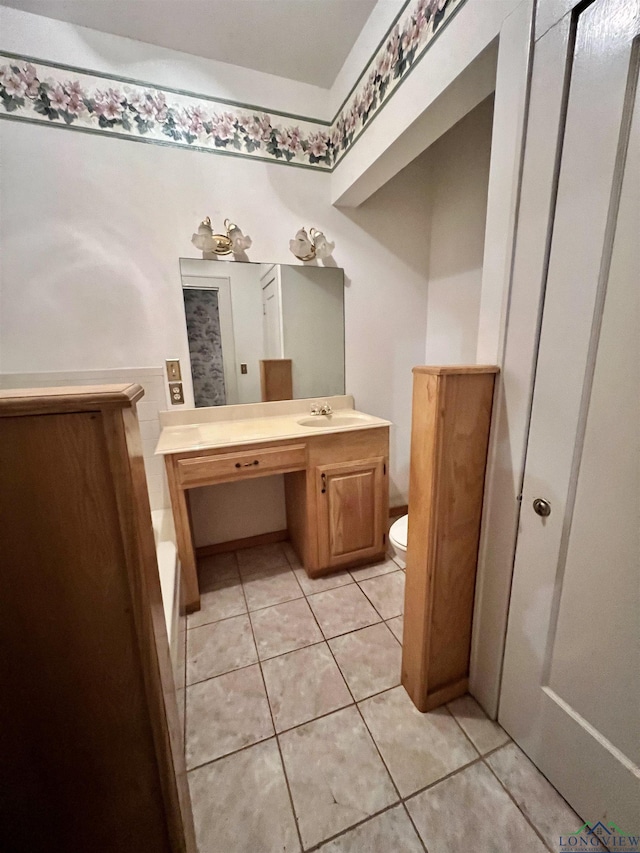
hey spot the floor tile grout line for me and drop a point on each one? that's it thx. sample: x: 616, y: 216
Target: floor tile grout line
x: 415, y: 828
x: 364, y: 592
x: 290, y: 652
x: 448, y: 776
x: 233, y: 752
x: 342, y: 832
x: 365, y: 725
x: 328, y: 714
x: 273, y: 723
x: 514, y: 801
x: 483, y: 757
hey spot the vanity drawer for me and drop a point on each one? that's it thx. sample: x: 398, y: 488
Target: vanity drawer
x: 237, y: 466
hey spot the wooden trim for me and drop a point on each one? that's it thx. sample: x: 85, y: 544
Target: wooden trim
x: 184, y: 537
x: 238, y: 544
x: 446, y: 694
x: 398, y: 511
x: 72, y: 398
x: 456, y: 369
x: 124, y: 448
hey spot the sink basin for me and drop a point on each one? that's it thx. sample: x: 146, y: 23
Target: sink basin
x: 324, y: 421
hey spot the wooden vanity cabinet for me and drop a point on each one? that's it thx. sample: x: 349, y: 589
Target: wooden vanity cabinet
x: 338, y: 509
x: 350, y: 512
x: 336, y: 489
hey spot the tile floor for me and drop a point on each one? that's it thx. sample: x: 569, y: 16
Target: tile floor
x: 299, y: 736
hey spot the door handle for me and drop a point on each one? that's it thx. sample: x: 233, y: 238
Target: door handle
x: 542, y: 507
x: 247, y: 464
x: 324, y: 483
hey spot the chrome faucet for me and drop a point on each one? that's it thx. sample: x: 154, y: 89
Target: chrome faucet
x: 321, y: 409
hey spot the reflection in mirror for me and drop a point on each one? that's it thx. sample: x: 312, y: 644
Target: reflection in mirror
x: 260, y: 332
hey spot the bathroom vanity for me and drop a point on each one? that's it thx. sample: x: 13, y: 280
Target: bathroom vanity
x: 335, y: 467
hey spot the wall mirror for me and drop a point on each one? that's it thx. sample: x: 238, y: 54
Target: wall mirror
x: 260, y: 332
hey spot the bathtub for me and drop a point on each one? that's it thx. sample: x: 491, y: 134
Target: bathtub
x: 169, y: 571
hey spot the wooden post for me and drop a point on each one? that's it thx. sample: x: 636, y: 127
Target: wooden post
x: 449, y: 439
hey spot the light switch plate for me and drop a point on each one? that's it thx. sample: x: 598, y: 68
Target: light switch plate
x: 174, y: 373
x: 243, y: 368
x: 176, y: 393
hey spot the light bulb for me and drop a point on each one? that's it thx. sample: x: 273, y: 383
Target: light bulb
x: 301, y: 246
x: 322, y: 246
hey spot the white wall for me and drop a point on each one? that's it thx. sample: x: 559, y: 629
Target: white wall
x: 91, y: 230
x: 458, y: 196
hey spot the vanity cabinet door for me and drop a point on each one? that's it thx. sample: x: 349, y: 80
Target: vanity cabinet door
x: 351, y: 511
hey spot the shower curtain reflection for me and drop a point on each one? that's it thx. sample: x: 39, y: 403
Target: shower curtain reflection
x: 205, y: 346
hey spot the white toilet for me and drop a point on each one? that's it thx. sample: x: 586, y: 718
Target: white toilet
x: 398, y: 539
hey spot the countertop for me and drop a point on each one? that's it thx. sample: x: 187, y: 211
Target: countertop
x: 184, y: 438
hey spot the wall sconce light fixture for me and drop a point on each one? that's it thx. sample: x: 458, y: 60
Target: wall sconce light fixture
x: 234, y: 241
x: 306, y: 247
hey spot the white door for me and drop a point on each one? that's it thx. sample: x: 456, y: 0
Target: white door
x: 272, y: 313
x: 571, y: 684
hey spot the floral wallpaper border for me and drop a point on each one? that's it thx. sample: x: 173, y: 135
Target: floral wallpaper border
x: 61, y: 96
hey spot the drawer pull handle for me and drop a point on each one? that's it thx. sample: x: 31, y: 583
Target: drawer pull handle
x: 247, y: 464
x: 324, y: 483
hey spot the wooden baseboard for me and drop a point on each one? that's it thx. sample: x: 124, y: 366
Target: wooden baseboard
x: 237, y: 544
x: 269, y: 538
x: 397, y: 511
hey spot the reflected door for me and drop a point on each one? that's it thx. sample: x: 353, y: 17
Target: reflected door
x: 272, y: 313
x: 571, y: 685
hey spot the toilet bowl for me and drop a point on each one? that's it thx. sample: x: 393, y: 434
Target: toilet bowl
x: 398, y: 539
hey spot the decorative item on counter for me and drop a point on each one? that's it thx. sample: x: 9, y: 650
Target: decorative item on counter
x: 210, y: 244
x: 306, y: 247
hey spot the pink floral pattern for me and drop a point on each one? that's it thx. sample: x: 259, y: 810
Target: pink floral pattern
x: 36, y: 91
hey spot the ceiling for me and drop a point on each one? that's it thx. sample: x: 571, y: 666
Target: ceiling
x: 304, y: 40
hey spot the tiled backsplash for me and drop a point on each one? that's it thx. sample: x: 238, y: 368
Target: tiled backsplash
x: 152, y: 380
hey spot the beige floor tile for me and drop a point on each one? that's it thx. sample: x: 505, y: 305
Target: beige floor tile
x: 271, y: 586
x: 241, y: 804
x: 219, y: 647
x: 471, y: 811
x: 284, y: 628
x: 313, y: 585
x: 290, y: 554
x: 335, y: 775
x: 370, y: 659
x: 225, y: 714
x: 390, y: 832
x: 304, y: 684
x: 537, y: 798
x: 252, y: 560
x: 418, y: 748
x: 220, y: 601
x: 341, y: 610
x: 386, y: 593
x: 374, y: 570
x: 396, y: 625
x: 483, y: 732
x: 216, y: 568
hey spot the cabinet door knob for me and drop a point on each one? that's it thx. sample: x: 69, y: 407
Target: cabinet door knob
x: 324, y: 483
x: 542, y: 507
